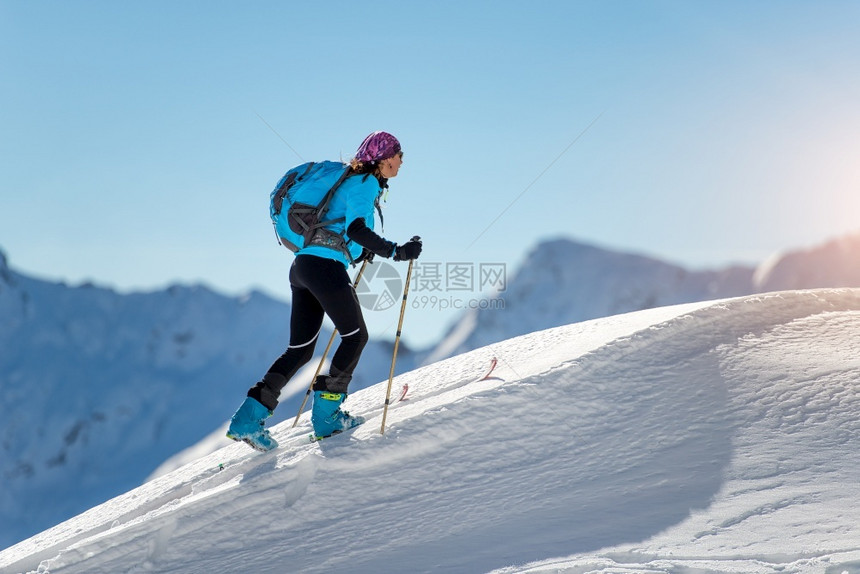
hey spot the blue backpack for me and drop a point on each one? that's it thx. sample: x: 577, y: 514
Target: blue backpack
x: 299, y: 202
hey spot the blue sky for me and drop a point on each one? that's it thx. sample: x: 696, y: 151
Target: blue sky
x: 140, y: 140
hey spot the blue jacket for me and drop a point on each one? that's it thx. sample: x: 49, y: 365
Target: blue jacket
x: 357, y: 197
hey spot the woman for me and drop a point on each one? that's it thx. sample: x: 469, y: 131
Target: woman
x: 321, y: 286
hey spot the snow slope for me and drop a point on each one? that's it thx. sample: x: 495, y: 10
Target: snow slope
x: 706, y: 437
x: 96, y: 371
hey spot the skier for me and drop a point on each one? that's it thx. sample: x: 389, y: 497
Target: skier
x: 320, y: 285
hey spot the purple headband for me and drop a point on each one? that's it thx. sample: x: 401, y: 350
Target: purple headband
x: 377, y: 147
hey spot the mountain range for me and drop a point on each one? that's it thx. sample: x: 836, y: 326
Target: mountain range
x: 564, y: 281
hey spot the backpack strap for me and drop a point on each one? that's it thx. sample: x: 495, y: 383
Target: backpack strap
x: 299, y: 211
x: 318, y: 234
x: 323, y: 207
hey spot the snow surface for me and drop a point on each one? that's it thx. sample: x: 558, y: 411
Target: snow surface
x: 700, y: 438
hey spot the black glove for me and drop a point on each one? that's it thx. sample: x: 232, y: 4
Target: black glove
x: 409, y: 250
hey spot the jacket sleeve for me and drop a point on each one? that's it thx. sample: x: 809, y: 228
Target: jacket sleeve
x: 359, y: 232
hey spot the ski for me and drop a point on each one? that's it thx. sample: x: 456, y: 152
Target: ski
x: 486, y: 376
x: 314, y: 438
x: 492, y: 368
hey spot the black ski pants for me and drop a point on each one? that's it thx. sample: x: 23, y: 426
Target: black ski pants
x: 320, y: 287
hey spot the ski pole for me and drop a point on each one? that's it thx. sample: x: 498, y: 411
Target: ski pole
x: 325, y: 353
x: 397, y: 341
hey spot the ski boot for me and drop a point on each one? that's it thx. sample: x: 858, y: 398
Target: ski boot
x: 327, y: 417
x: 247, y: 425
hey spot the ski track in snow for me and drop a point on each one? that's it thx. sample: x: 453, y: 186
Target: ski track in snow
x: 709, y: 437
